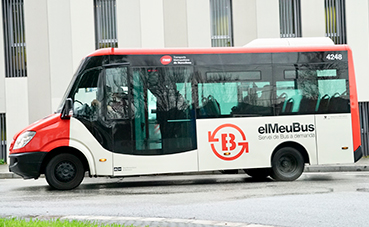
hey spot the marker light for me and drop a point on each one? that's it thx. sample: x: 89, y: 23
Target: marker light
x: 227, y: 153
x: 102, y: 159
x: 23, y: 139
x: 344, y: 148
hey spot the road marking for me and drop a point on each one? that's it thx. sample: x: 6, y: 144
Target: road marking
x: 168, y: 220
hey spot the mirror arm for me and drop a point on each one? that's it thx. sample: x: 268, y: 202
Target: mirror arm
x: 67, y: 110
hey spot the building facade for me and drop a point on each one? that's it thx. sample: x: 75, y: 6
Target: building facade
x: 42, y: 42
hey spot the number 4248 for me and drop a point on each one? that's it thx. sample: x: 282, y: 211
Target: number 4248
x: 333, y: 57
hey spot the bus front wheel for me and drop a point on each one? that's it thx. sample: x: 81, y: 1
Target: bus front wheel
x: 287, y: 164
x: 64, y: 172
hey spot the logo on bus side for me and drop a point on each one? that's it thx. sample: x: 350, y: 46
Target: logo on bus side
x: 228, y: 142
x: 166, y: 59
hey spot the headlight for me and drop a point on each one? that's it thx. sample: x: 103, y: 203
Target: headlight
x: 23, y: 139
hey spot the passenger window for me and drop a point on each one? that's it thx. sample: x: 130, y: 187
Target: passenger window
x: 234, y: 93
x: 312, y: 91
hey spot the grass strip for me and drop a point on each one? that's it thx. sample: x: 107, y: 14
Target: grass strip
x: 17, y: 222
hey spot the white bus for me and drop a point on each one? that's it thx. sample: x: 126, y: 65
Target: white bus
x: 268, y: 111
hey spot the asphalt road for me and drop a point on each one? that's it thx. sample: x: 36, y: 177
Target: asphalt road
x: 315, y: 199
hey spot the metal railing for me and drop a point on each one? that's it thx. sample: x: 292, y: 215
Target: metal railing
x: 221, y: 23
x: 14, y: 38
x: 290, y: 18
x: 2, y: 137
x: 335, y: 20
x: 105, y: 24
x: 364, y: 122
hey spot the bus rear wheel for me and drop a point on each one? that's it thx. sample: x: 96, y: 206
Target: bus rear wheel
x: 287, y: 164
x: 64, y: 172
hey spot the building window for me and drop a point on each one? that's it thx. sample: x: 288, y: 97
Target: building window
x: 14, y: 38
x: 290, y: 18
x: 335, y: 20
x: 221, y: 23
x: 2, y: 137
x: 105, y: 24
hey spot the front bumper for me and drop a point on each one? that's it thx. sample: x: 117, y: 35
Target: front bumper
x: 27, y: 165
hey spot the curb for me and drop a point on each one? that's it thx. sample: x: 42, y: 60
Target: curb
x: 337, y: 168
x: 9, y: 175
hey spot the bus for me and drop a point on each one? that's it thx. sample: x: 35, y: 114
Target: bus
x: 267, y: 110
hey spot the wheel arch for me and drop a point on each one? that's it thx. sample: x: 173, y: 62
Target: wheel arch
x: 295, y: 145
x: 86, y: 161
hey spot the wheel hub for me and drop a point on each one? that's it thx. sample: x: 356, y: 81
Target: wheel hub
x: 65, y: 171
x: 287, y: 164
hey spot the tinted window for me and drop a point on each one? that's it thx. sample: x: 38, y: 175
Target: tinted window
x: 308, y: 89
x: 234, y: 91
x: 88, y: 95
x: 117, y: 93
x: 163, y: 100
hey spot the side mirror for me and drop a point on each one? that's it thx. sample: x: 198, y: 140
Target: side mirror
x: 67, y: 110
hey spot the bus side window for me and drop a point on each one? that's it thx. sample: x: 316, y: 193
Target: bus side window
x: 117, y: 93
x: 255, y: 99
x: 334, y: 96
x: 88, y: 96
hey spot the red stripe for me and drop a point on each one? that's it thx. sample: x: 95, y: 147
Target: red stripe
x: 216, y: 50
x: 355, y: 119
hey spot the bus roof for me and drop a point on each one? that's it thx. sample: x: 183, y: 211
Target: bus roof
x: 256, y: 46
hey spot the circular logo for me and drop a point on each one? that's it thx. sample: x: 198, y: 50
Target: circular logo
x: 228, y: 142
x: 166, y: 59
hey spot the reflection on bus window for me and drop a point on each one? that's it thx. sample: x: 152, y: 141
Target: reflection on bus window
x: 238, y: 93
x: 86, y: 104
x: 312, y: 91
x: 117, y: 93
x: 163, y: 99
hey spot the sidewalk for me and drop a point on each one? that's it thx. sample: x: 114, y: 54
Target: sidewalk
x: 361, y: 165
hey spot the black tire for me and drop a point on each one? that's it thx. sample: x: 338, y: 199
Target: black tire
x: 64, y: 172
x: 258, y: 174
x: 287, y: 164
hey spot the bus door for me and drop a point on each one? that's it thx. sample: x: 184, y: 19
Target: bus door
x: 162, y: 123
x: 118, y: 109
x: 334, y: 130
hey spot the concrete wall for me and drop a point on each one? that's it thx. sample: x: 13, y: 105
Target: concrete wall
x: 17, y: 110
x: 312, y: 18
x: 152, y: 23
x: 60, y: 49
x: 129, y: 34
x: 267, y: 19
x: 198, y: 23
x: 38, y: 64
x: 82, y: 29
x: 175, y: 23
x: 357, y: 23
x: 244, y: 22
x: 254, y: 19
